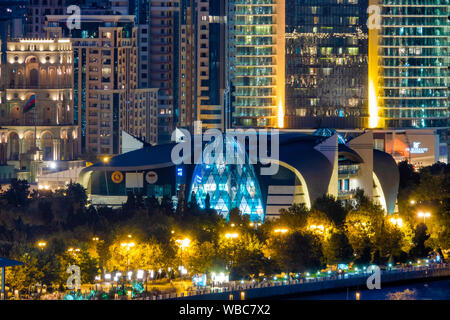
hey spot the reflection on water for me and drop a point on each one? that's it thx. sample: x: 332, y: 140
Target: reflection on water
x: 402, y: 295
x: 433, y: 290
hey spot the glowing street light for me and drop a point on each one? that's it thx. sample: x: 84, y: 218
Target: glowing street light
x: 128, y: 245
x: 105, y: 159
x: 255, y: 225
x: 184, y: 243
x: 319, y: 227
x: 424, y: 215
x: 231, y: 235
x: 42, y: 244
x: 397, y: 222
x: 95, y: 239
x: 413, y: 202
x: 281, y: 230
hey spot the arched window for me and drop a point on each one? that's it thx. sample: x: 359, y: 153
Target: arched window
x: 33, y: 78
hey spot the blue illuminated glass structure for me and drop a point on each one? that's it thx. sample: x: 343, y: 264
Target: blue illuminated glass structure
x: 229, y: 186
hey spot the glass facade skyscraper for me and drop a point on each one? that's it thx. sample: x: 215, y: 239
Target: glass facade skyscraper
x: 326, y: 63
x: 258, y: 63
x: 412, y: 56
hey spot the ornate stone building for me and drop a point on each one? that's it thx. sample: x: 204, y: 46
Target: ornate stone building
x: 29, y: 141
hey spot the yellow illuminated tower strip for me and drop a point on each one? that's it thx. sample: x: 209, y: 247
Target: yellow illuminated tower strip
x: 259, y: 77
x: 374, y: 79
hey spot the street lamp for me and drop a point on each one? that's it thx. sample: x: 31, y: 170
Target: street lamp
x: 42, y: 244
x: 128, y: 245
x: 183, y: 243
x: 255, y: 225
x: 281, y: 230
x: 424, y: 215
x: 231, y: 235
x: 318, y: 228
x: 413, y: 202
x: 397, y: 222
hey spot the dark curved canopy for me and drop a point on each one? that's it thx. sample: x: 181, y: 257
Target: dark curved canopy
x: 312, y: 164
x: 385, y: 168
x: 4, y: 262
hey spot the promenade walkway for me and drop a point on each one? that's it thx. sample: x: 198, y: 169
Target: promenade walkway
x: 269, y: 289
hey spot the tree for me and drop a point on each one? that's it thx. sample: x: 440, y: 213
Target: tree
x: 420, y: 250
x: 294, y: 216
x: 319, y: 224
x: 167, y: 206
x: 361, y: 226
x: 130, y: 206
x: 200, y: 257
x: 236, y: 251
x: 45, y: 211
x: 408, y: 176
x: 296, y: 252
x: 18, y: 192
x: 388, y: 243
x: 207, y: 202
x: 77, y: 197
x: 332, y: 208
x: 338, y: 249
x: 235, y: 216
x: 148, y: 255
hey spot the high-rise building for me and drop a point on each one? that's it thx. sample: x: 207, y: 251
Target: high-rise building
x: 12, y: 21
x: 257, y: 51
x: 37, y: 10
x: 36, y: 107
x: 163, y: 62
x: 202, y: 64
x: 141, y: 11
x: 409, y: 60
x: 326, y: 64
x: 211, y: 64
x: 187, y: 66
x: 107, y: 99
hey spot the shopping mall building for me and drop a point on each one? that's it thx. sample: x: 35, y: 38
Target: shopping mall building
x: 309, y: 166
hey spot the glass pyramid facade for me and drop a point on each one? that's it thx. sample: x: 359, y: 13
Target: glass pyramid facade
x: 229, y: 186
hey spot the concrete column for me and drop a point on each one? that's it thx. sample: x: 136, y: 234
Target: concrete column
x: 65, y: 152
x: 56, y: 149
x: 363, y: 145
x: 21, y: 146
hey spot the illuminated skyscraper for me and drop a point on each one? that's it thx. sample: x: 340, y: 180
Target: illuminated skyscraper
x: 326, y: 63
x: 409, y: 59
x: 258, y: 55
x: 201, y: 63
x: 107, y: 99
